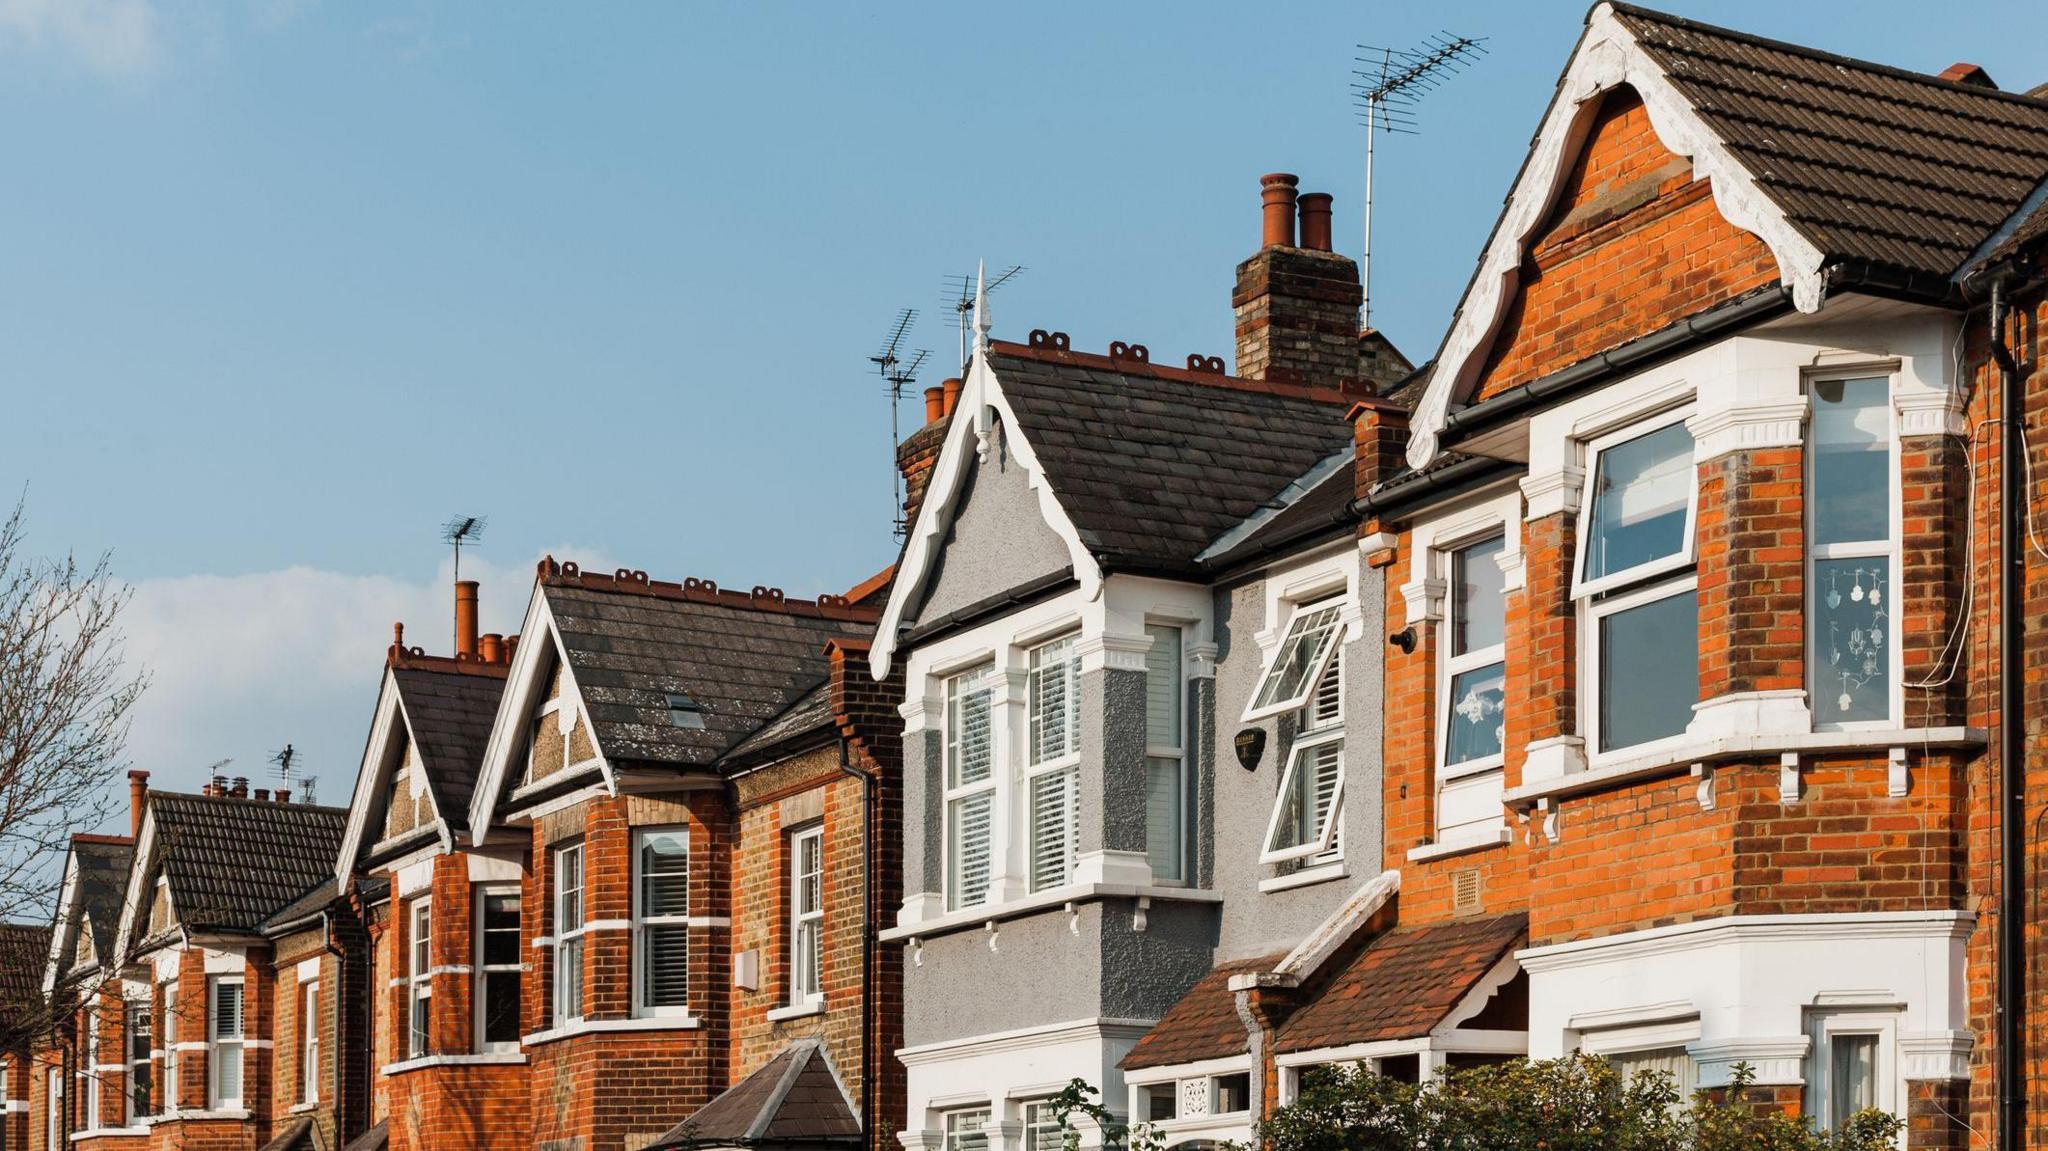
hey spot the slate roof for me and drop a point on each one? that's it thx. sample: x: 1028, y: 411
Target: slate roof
x: 1326, y: 505
x: 103, y: 862
x: 450, y: 708
x: 792, y: 1101
x: 744, y: 659
x: 811, y: 711
x: 1153, y: 463
x: 232, y: 862
x: 1202, y: 1025
x: 1403, y: 984
x: 1868, y: 162
x: 24, y: 950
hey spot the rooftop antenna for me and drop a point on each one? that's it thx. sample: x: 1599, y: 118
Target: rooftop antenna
x: 960, y: 295
x: 897, y: 374
x: 460, y: 530
x: 285, y: 765
x: 1390, y: 84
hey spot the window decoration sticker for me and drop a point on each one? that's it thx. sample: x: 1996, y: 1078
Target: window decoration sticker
x: 1856, y: 627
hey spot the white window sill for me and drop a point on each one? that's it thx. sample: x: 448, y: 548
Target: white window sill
x: 1429, y: 851
x: 230, y: 1113
x: 485, y: 1059
x: 110, y: 1132
x: 303, y: 1108
x: 603, y: 1026
x: 1320, y: 873
x: 1673, y: 759
x: 968, y: 918
x: 797, y: 1011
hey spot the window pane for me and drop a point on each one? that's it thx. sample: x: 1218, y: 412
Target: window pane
x: 808, y: 873
x: 1478, y: 703
x: 569, y: 889
x: 1054, y: 797
x: 807, y: 962
x: 1852, y: 1076
x: 501, y: 929
x: 1851, y: 491
x: 1163, y: 817
x: 227, y: 1011
x: 1478, y: 609
x: 421, y: 1020
x: 1326, y: 703
x: 1163, y: 687
x: 1640, y: 492
x: 1311, y: 791
x: 968, y: 828
x: 1649, y: 670
x: 1850, y: 650
x: 1300, y: 652
x: 569, y: 979
x: 501, y: 1007
x: 1052, y: 713
x: 665, y: 954
x: 665, y: 873
x: 968, y: 746
x: 1042, y: 1128
x: 965, y: 1131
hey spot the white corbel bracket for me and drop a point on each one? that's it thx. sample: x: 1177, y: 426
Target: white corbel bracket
x: 1704, y: 772
x: 990, y: 927
x: 1551, y: 831
x: 1898, y: 779
x: 1788, y: 777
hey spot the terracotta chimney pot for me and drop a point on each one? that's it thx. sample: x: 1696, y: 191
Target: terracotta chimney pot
x: 241, y: 787
x: 263, y: 794
x: 465, y: 618
x: 952, y: 389
x: 934, y: 405
x: 1276, y: 190
x: 138, y: 798
x: 491, y: 647
x: 1315, y: 221
x: 284, y: 795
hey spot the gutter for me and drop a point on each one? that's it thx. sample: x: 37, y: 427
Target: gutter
x: 1411, y: 488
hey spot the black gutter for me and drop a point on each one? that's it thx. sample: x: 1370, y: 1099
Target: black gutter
x: 1025, y: 593
x: 2011, y: 783
x: 1411, y: 488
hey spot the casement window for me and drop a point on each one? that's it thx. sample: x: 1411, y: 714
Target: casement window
x: 806, y: 916
x: 89, y: 1073
x: 419, y: 979
x: 1853, y: 1065
x: 569, y: 933
x: 966, y: 1130
x: 138, y: 1033
x: 970, y: 786
x: 1636, y: 589
x: 661, y: 927
x: 309, y: 1042
x: 1165, y: 756
x: 1308, y: 814
x: 1052, y: 776
x: 1309, y: 643
x: 1474, y: 697
x: 1852, y: 590
x: 224, y: 1041
x: 1042, y: 1130
x: 171, y: 1030
x: 53, y: 1131
x: 497, y: 970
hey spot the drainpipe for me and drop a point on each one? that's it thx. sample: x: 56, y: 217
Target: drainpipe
x: 867, y: 941
x: 2011, y: 728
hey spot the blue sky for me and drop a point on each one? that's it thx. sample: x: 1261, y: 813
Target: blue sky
x: 284, y: 283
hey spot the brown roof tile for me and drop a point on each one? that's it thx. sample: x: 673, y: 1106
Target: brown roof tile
x: 1403, y: 984
x: 1202, y: 1025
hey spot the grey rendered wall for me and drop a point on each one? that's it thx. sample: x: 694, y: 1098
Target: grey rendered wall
x: 923, y: 793
x: 998, y: 540
x: 1236, y: 803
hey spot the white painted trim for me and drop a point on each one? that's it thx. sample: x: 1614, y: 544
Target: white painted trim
x: 492, y: 1058
x: 989, y: 913
x: 521, y: 697
x: 1680, y: 937
x: 371, y: 779
x: 1318, y: 945
x: 593, y: 1026
x: 1022, y: 1037
x: 1150, y: 1076
x: 1431, y: 851
x: 1741, y: 427
x: 981, y: 394
x: 1608, y: 56
x: 798, y: 1011
x: 1306, y: 877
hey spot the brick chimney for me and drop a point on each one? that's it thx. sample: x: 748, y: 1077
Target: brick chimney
x: 465, y: 619
x: 1964, y: 72
x: 1297, y: 306
x: 918, y: 454
x: 138, y: 799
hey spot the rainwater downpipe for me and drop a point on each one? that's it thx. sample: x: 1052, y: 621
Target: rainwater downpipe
x: 867, y: 942
x: 2011, y: 728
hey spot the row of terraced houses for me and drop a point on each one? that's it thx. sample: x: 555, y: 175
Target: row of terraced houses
x: 1653, y: 673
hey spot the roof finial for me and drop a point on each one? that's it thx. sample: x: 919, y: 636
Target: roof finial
x: 981, y: 317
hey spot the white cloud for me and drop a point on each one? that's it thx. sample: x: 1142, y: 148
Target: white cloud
x: 112, y: 37
x: 241, y: 665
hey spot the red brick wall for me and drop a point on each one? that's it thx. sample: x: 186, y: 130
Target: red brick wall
x: 1633, y: 244
x: 1751, y: 540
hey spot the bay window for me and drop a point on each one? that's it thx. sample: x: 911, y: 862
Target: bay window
x: 806, y: 916
x: 419, y: 981
x: 569, y: 931
x: 1473, y: 703
x: 661, y: 927
x: 497, y: 970
x: 1853, y: 1065
x: 1308, y: 813
x: 966, y: 1130
x: 1165, y: 756
x: 970, y: 786
x: 137, y: 1039
x: 1052, y: 761
x: 1636, y: 588
x: 224, y: 1041
x: 1852, y: 641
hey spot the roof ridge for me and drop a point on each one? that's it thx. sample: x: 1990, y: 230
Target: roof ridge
x: 103, y: 840
x: 1823, y: 54
x: 631, y: 581
x: 1135, y: 366
x: 418, y: 659
x: 245, y: 800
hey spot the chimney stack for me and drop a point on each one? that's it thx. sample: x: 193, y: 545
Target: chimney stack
x: 934, y: 405
x: 138, y: 798
x: 465, y: 618
x: 1297, y: 307
x: 918, y: 454
x: 1964, y: 72
x: 491, y: 647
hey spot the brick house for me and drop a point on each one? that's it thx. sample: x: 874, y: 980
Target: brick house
x: 23, y: 948
x: 81, y: 990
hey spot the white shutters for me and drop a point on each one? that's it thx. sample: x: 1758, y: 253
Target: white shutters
x: 1052, y: 764
x: 224, y: 1035
x: 1307, y: 812
x: 661, y: 928
x: 1165, y: 778
x: 970, y: 787
x: 568, y: 934
x: 806, y: 916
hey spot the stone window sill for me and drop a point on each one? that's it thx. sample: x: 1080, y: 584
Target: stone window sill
x: 1429, y: 851
x: 601, y: 1026
x: 797, y: 1011
x: 1321, y: 873
x: 485, y: 1059
x: 970, y: 918
x: 304, y: 1108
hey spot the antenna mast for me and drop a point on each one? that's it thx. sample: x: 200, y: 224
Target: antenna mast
x: 1389, y: 85
x: 460, y: 530
x: 960, y: 295
x: 897, y: 375
x: 284, y: 765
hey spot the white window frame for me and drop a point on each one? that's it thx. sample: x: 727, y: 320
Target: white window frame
x: 1330, y: 840
x: 170, y: 1032
x: 1175, y: 754
x: 953, y: 1129
x: 1296, y: 619
x: 1823, y: 1027
x: 568, y: 976
x: 806, y: 987
x: 1066, y: 763
x: 487, y: 972
x: 981, y: 677
x: 1583, y: 588
x: 419, y: 977
x: 642, y: 920
x: 1450, y: 667
x: 1038, y: 1117
x: 54, y: 1135
x: 1590, y: 615
x: 133, y: 1011
x: 309, y: 1041
x: 217, y: 1100
x: 1892, y: 551
x: 89, y: 1074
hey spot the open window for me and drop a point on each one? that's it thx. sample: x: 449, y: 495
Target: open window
x: 1308, y: 811
x: 1305, y: 650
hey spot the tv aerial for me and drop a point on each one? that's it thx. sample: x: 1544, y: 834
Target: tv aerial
x: 458, y: 532
x: 960, y: 297
x: 898, y: 373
